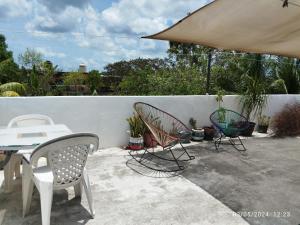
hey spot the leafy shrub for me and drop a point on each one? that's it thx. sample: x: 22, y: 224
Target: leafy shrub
x: 287, y: 122
x: 13, y: 86
x: 278, y: 87
x: 9, y: 94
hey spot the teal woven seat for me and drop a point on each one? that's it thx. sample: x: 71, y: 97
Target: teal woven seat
x: 229, y: 124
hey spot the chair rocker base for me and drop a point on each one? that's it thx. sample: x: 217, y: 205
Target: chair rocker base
x: 235, y: 142
x: 146, y: 158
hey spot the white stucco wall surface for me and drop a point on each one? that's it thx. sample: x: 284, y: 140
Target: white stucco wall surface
x: 106, y: 115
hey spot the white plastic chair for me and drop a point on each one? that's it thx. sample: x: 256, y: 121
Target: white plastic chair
x: 67, y: 157
x: 28, y: 120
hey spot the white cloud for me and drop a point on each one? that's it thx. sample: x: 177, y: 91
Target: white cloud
x: 46, y: 21
x: 114, y: 33
x: 48, y: 52
x: 9, y: 8
x: 125, y: 21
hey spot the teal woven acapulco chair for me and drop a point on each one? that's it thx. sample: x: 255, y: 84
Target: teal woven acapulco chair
x: 229, y: 124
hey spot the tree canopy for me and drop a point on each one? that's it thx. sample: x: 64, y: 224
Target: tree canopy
x: 182, y: 72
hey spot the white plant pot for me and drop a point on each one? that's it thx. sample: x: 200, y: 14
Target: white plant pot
x: 136, y: 143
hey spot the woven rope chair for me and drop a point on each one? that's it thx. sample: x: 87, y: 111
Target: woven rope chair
x: 167, y: 130
x: 67, y: 157
x: 230, y: 124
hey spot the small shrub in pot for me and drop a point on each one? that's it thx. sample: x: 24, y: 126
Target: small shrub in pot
x: 263, y: 123
x: 136, y: 125
x: 287, y: 121
x: 197, y: 133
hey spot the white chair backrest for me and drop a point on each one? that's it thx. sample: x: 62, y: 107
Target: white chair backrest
x: 30, y: 120
x: 67, y: 157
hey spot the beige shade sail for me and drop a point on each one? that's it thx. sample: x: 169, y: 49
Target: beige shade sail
x: 257, y: 26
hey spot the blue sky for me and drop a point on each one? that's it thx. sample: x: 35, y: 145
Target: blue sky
x: 94, y: 32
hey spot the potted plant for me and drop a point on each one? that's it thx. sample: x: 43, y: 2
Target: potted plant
x: 209, y: 133
x: 263, y: 122
x: 197, y: 133
x: 253, y: 100
x: 149, y: 139
x: 221, y: 110
x: 136, y: 125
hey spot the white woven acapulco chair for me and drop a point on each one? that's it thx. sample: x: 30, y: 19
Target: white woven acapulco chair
x: 28, y: 120
x: 67, y: 158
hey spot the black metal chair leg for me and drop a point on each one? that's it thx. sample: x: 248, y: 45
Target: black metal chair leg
x: 175, y: 159
x: 234, y: 144
x: 218, y: 142
x: 191, y: 157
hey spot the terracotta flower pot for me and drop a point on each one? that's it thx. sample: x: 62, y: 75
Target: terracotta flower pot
x: 209, y: 133
x: 149, y: 140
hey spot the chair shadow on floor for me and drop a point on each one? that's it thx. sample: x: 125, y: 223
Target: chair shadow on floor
x: 157, y: 164
x: 199, y: 150
x: 65, y: 211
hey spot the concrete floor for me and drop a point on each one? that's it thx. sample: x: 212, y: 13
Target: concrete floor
x: 265, y: 179
x: 214, y: 185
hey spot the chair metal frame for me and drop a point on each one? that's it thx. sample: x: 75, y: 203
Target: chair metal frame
x: 234, y: 138
x: 163, y: 137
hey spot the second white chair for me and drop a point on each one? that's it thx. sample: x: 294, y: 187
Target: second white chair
x: 28, y: 120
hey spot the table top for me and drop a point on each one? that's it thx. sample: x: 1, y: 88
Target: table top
x: 12, y: 139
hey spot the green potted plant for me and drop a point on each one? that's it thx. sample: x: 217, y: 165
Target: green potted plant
x: 197, y: 133
x: 136, y: 125
x: 263, y: 122
x: 252, y: 100
x: 221, y: 110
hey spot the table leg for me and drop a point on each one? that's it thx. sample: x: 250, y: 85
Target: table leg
x: 18, y: 159
x: 9, y: 175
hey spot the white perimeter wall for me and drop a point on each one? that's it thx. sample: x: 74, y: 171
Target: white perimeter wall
x: 106, y: 115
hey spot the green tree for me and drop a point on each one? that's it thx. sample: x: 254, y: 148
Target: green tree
x: 278, y: 87
x: 288, y: 69
x: 136, y: 83
x: 31, y: 58
x: 126, y: 68
x: 75, y: 78
x: 170, y: 81
x: 41, y: 78
x: 94, y: 80
x: 189, y: 55
x: 177, y: 81
x: 9, y: 71
x: 4, y: 53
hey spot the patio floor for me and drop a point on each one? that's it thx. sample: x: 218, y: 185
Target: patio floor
x: 264, y: 179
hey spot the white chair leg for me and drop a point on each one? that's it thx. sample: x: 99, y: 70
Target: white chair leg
x: 9, y: 175
x: 17, y: 166
x: 78, y: 190
x: 46, y: 195
x: 27, y: 188
x: 88, y: 192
